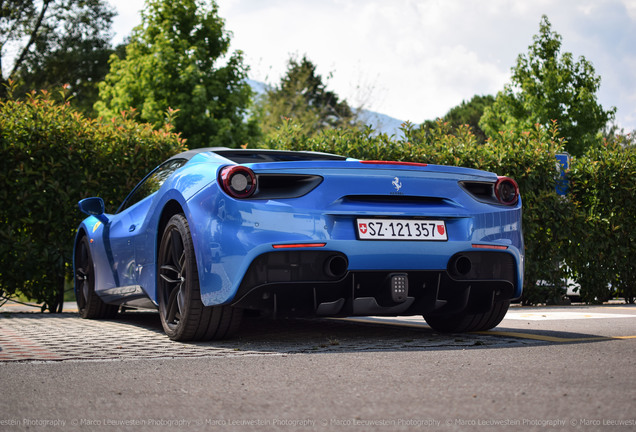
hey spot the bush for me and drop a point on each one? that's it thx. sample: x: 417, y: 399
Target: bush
x: 603, y: 246
x: 50, y: 158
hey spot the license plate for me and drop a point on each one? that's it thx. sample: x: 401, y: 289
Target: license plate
x: 401, y: 229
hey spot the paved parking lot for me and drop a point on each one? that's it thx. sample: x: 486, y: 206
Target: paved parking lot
x: 138, y: 335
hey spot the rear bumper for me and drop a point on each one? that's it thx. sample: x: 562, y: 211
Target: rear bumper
x: 318, y: 283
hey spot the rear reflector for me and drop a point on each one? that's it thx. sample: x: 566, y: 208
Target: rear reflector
x: 380, y: 162
x: 298, y: 245
x: 479, y: 246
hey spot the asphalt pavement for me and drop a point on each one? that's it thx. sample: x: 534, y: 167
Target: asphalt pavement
x: 559, y: 368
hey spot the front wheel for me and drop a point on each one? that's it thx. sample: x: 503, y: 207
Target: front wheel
x: 89, y: 304
x: 183, y: 315
x: 469, y: 322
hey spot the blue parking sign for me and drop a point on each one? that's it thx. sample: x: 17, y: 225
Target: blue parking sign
x: 563, y: 164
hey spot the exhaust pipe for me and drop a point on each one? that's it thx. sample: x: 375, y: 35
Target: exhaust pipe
x: 462, y: 265
x: 336, y: 266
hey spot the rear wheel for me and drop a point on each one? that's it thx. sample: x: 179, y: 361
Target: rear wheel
x: 469, y: 322
x: 183, y: 315
x: 88, y: 302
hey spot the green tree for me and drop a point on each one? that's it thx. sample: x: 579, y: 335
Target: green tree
x: 547, y: 85
x: 178, y: 58
x: 53, y: 43
x: 467, y: 113
x: 303, y: 96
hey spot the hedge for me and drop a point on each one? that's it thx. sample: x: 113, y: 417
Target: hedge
x: 603, y: 239
x: 50, y: 158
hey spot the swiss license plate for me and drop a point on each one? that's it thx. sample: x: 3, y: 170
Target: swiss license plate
x: 401, y: 229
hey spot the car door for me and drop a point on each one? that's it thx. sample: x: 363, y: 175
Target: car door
x: 128, y: 224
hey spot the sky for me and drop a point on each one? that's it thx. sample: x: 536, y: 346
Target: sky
x: 416, y: 59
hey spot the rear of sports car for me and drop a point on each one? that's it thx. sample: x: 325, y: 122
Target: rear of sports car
x: 348, y: 237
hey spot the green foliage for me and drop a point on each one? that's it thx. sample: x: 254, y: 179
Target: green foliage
x: 56, y: 42
x: 604, y: 240
x: 613, y: 135
x: 303, y: 96
x: 549, y: 86
x: 51, y: 156
x: 467, y: 113
x: 178, y: 58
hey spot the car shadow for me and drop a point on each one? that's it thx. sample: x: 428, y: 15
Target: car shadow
x: 319, y: 335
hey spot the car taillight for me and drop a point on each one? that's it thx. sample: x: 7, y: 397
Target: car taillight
x: 506, y: 191
x: 238, y: 181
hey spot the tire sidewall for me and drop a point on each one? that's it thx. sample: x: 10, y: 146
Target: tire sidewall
x: 83, y: 309
x: 466, y: 322
x: 191, y: 287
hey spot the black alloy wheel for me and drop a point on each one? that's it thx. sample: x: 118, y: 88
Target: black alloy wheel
x: 183, y: 315
x: 88, y: 302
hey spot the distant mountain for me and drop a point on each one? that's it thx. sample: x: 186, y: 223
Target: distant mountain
x: 381, y: 123
x: 258, y: 87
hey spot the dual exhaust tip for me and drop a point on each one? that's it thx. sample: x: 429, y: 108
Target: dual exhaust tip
x: 460, y: 266
x: 336, y: 266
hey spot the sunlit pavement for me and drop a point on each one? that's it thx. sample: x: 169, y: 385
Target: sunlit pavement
x: 549, y: 324
x: 28, y: 335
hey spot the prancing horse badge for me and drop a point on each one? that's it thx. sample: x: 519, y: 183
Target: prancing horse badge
x: 397, y: 184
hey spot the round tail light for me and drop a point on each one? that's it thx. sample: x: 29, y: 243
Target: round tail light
x: 506, y: 191
x: 238, y: 181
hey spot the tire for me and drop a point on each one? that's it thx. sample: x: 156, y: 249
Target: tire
x: 183, y: 315
x: 467, y: 322
x: 88, y: 302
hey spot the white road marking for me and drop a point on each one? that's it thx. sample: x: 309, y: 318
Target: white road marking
x: 560, y: 315
x: 418, y: 321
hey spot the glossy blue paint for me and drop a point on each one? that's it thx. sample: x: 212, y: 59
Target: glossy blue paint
x: 228, y: 233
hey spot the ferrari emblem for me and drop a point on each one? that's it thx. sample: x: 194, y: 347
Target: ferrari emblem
x: 397, y: 183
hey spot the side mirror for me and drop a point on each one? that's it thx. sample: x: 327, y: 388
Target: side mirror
x: 93, y: 206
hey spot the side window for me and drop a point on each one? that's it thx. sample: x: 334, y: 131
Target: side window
x: 152, y: 182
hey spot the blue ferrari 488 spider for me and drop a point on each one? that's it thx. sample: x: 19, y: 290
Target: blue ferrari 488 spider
x: 214, y: 232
